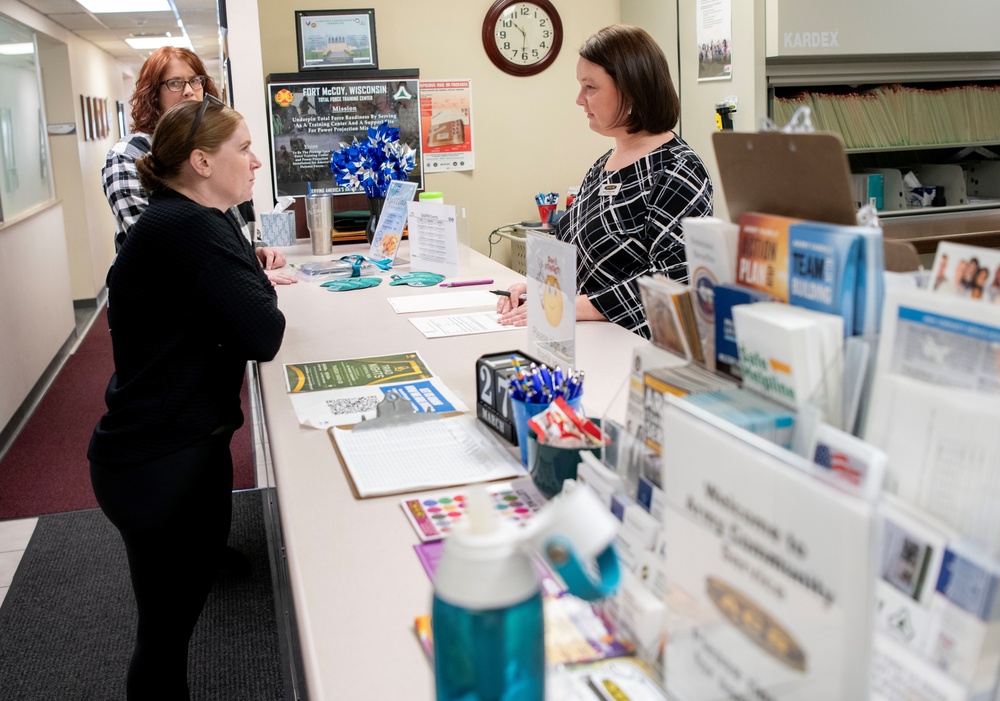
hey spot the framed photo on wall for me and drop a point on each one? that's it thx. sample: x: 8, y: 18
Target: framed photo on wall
x: 91, y: 127
x: 102, y: 118
x: 85, y: 131
x: 332, y: 39
x: 120, y: 114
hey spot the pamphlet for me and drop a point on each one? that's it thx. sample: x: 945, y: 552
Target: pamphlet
x: 337, y: 392
x: 434, y: 515
x: 389, y: 231
x: 433, y: 238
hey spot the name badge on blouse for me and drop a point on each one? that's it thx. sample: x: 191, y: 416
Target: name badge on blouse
x: 610, y: 189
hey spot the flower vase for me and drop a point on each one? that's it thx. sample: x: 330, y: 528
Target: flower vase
x: 375, y: 205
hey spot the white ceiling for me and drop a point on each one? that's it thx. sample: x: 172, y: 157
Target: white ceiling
x: 109, y: 31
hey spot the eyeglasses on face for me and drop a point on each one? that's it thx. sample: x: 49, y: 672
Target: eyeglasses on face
x: 208, y: 100
x: 177, y: 84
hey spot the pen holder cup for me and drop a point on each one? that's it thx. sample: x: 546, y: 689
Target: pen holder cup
x: 525, y: 410
x: 550, y: 466
x: 545, y: 212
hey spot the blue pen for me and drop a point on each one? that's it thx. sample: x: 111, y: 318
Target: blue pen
x: 558, y: 379
x: 531, y: 396
x: 536, y: 381
x: 546, y: 376
x: 515, y: 390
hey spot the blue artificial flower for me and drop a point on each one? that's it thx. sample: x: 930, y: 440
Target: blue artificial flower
x: 370, y: 165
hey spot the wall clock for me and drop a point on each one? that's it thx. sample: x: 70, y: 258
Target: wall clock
x: 522, y: 37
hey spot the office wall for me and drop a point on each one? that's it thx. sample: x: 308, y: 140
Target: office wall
x: 36, y: 311
x: 529, y: 135
x: 659, y: 18
x: 90, y: 226
x: 244, y: 46
x: 748, y: 84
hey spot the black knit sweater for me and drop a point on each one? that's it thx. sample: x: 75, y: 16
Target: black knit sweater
x: 188, y: 305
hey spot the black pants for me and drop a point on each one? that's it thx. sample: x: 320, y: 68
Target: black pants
x: 174, y: 516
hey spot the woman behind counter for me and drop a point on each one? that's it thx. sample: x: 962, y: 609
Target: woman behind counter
x: 160, y: 463
x: 625, y: 222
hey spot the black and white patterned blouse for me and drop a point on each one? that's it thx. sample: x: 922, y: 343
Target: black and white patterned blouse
x: 127, y: 197
x: 626, y: 224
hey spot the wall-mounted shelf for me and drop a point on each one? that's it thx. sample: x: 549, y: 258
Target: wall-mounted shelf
x: 887, y: 110
x: 992, y: 147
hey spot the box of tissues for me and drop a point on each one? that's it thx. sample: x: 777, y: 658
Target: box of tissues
x: 278, y: 228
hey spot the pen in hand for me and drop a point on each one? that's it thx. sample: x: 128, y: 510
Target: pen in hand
x: 505, y: 293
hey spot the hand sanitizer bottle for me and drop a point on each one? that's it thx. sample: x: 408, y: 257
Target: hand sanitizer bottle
x: 487, y: 613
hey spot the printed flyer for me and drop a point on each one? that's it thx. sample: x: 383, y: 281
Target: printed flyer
x: 340, y: 392
x: 446, y: 125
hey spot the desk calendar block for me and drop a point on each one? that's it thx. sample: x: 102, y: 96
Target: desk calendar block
x: 493, y: 375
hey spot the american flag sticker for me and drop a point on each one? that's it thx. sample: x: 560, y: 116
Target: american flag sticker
x: 850, y: 468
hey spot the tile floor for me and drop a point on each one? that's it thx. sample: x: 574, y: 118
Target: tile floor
x: 14, y: 537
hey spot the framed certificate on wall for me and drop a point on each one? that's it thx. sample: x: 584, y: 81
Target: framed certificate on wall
x: 334, y: 39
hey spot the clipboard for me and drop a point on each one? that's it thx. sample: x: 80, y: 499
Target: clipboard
x: 415, y: 469
x: 806, y: 176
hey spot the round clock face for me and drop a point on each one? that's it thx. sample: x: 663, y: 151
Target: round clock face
x: 522, y: 38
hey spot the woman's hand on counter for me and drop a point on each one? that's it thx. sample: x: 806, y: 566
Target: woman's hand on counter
x: 513, y: 310
x: 281, y: 277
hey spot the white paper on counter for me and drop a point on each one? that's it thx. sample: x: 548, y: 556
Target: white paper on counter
x: 461, y: 324
x: 442, y: 300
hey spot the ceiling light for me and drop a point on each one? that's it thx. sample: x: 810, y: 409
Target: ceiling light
x: 108, y: 6
x: 17, y: 49
x: 148, y: 43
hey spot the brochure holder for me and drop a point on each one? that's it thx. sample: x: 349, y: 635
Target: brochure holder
x: 771, y: 570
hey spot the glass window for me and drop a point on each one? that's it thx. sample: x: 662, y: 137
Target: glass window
x: 25, y: 179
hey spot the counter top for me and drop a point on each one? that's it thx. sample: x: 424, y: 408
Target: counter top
x: 355, y: 581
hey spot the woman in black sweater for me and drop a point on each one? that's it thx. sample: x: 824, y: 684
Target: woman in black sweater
x: 188, y: 306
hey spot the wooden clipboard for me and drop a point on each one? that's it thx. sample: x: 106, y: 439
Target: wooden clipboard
x: 794, y: 175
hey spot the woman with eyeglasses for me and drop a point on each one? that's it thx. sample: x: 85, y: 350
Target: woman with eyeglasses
x: 168, y: 77
x: 160, y: 463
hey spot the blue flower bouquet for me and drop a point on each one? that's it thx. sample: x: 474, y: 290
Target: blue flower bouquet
x: 370, y: 165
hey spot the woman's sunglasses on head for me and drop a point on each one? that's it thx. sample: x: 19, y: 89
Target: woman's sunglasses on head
x: 208, y: 100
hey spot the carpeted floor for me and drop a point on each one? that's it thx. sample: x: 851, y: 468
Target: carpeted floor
x: 46, y: 469
x: 67, y: 624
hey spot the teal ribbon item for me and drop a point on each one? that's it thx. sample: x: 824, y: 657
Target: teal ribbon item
x: 357, y: 260
x: 351, y: 283
x: 417, y: 279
